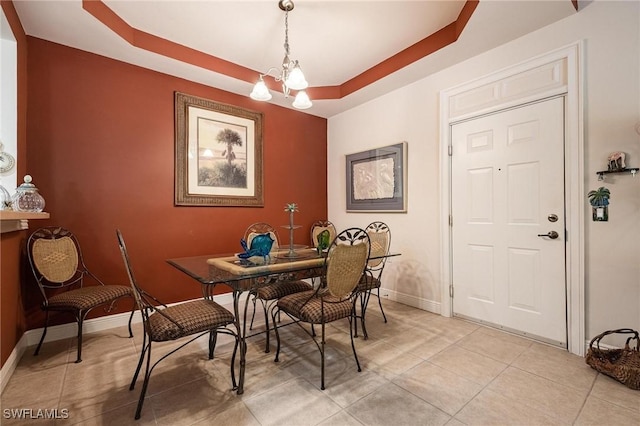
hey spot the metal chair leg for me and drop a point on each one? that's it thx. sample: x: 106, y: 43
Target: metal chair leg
x: 266, y: 324
x: 363, y: 308
x: 80, y: 321
x: 380, y: 304
x: 144, y: 350
x: 275, y: 328
x: 144, y: 384
x: 213, y: 338
x: 353, y: 346
x: 322, y: 343
x: 133, y: 311
x: 44, y: 333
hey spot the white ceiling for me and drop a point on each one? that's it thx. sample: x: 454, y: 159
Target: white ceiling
x: 333, y: 40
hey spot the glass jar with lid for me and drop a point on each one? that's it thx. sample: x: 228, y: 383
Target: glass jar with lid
x: 27, y: 198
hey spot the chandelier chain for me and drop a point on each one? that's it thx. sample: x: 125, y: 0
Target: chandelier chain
x: 286, y: 33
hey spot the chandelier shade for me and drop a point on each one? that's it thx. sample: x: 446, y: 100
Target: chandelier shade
x: 260, y: 91
x: 295, y: 80
x: 290, y: 74
x: 302, y: 100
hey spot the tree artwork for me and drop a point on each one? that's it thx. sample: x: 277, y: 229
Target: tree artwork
x: 231, y: 138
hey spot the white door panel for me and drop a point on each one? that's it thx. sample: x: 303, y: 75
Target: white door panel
x: 507, y: 179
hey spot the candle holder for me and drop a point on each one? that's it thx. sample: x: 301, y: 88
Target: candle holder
x: 291, y: 208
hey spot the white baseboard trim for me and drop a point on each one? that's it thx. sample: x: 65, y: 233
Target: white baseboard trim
x: 65, y: 331
x: 12, y: 362
x: 407, y: 299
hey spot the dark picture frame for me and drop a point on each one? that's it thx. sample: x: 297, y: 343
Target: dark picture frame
x: 218, y: 154
x: 377, y: 180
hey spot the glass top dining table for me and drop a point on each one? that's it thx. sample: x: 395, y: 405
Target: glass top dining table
x: 248, y: 275
x: 241, y: 274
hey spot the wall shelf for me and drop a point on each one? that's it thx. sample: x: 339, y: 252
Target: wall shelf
x: 602, y: 173
x: 13, y: 215
x: 11, y: 221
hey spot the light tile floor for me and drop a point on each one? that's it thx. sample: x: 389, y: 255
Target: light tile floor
x: 418, y: 369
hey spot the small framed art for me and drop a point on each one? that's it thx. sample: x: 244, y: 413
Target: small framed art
x: 377, y: 180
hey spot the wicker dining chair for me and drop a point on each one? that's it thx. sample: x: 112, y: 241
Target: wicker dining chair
x: 380, y: 236
x: 345, y: 264
x: 191, y: 319
x: 58, y: 266
x: 271, y: 292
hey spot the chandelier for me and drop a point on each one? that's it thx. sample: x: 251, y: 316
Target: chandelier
x: 290, y: 75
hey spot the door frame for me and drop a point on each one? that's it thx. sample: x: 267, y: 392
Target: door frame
x: 492, y: 93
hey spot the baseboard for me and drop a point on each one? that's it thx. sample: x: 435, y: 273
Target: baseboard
x: 407, y: 299
x: 12, y: 362
x: 65, y: 331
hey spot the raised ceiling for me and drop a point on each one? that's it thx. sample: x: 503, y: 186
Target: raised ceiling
x: 350, y: 51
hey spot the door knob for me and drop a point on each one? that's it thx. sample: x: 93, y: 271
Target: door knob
x: 551, y: 234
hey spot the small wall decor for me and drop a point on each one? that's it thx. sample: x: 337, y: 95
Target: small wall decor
x: 377, y: 180
x: 615, y: 161
x: 218, y: 154
x: 599, y: 200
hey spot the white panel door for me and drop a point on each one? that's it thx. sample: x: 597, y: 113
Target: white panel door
x: 507, y: 189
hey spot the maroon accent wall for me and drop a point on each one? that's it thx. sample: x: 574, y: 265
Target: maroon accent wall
x: 101, y: 151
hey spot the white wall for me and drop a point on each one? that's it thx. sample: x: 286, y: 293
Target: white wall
x: 611, y: 31
x: 8, y: 98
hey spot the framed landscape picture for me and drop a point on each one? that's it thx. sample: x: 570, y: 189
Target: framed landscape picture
x: 377, y: 180
x: 218, y: 154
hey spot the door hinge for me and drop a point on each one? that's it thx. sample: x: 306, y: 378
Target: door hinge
x: 450, y: 220
x: 451, y: 290
x: 450, y: 150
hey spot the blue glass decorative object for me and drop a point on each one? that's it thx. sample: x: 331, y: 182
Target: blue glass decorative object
x: 260, y: 246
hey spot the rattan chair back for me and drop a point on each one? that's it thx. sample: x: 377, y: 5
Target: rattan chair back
x: 346, y: 261
x: 380, y: 236
x: 320, y: 225
x: 55, y: 258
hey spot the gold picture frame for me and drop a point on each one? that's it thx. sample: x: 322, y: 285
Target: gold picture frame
x: 218, y: 154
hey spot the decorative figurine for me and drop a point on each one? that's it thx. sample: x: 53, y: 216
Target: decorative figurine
x: 260, y: 246
x: 615, y: 161
x: 323, y: 240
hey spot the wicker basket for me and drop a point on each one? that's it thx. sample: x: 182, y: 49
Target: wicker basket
x: 621, y: 364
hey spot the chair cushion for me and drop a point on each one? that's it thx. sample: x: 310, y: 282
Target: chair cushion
x: 194, y: 317
x: 368, y: 283
x: 88, y: 297
x: 311, y: 312
x: 281, y: 289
